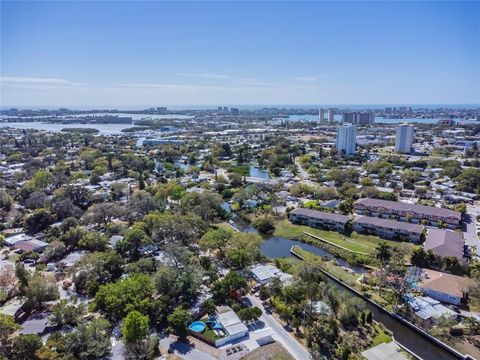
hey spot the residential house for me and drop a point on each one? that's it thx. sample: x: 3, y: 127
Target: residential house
x: 448, y: 288
x: 263, y: 274
x: 25, y: 243
x: 233, y: 327
x: 428, y: 310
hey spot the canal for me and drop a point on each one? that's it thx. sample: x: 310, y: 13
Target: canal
x: 274, y: 247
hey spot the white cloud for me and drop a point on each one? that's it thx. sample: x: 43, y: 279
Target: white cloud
x: 206, y: 75
x: 26, y: 81
x: 306, y: 78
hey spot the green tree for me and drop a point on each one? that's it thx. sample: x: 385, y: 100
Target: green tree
x: 178, y: 320
x: 132, y: 242
x: 64, y: 313
x: 141, y: 182
x: 369, y: 317
x: 174, y: 228
x: 93, y: 241
x: 243, y: 249
x: 382, y: 252
x: 232, y: 282
x: 451, y: 264
x: 42, y: 179
x: 264, y: 224
x: 422, y: 258
x: 346, y: 207
x: 118, y: 299
x: 216, y: 240
x: 91, y: 340
x: 38, y: 221
x: 469, y: 180
x: 135, y: 327
x: 41, y: 289
x: 7, y: 327
x: 209, y: 307
x: 25, y: 346
x: 22, y: 275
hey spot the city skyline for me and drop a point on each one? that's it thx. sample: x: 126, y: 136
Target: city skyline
x: 133, y: 55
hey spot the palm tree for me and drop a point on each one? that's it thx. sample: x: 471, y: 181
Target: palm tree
x: 382, y: 253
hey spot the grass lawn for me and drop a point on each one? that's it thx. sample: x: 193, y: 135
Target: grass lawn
x: 329, y: 266
x: 273, y: 351
x: 380, y: 336
x: 224, y: 225
x: 209, y: 334
x: 354, y: 242
x: 474, y: 305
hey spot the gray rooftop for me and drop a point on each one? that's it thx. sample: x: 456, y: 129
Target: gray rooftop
x: 445, y: 243
x: 321, y: 215
x: 389, y: 224
x: 401, y: 206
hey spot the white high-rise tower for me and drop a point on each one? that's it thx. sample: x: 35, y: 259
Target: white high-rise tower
x: 347, y: 139
x: 404, y: 138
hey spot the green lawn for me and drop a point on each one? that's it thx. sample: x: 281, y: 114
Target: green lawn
x: 380, y: 336
x: 354, y: 242
x: 223, y: 225
x: 329, y: 267
x: 208, y: 334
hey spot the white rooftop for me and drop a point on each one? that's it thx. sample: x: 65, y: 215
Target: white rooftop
x: 12, y: 240
x: 231, y: 323
x: 390, y: 351
x: 264, y: 272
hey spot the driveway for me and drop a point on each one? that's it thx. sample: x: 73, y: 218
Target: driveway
x: 469, y: 227
x: 280, y: 334
x: 304, y: 176
x: 184, y: 350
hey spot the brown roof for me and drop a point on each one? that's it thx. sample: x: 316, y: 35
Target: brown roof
x: 401, y: 206
x: 389, y: 224
x: 321, y: 215
x: 443, y: 282
x: 444, y: 243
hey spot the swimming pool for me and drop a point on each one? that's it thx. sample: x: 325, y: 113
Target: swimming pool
x: 197, y: 326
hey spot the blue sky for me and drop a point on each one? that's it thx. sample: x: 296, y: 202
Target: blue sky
x: 130, y: 54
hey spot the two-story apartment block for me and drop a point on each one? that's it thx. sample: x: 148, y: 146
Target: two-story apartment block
x: 319, y: 219
x: 388, y: 229
x: 408, y: 212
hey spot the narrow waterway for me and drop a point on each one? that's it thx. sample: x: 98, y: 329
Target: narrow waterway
x: 274, y: 247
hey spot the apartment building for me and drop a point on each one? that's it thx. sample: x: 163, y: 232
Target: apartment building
x: 319, y: 219
x: 408, y: 212
x: 388, y: 229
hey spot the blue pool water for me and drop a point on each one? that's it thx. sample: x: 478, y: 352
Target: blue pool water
x: 197, y: 326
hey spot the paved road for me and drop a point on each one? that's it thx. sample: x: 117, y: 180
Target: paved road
x: 470, y: 230
x: 304, y: 176
x: 280, y: 334
x: 254, y: 180
x: 183, y: 350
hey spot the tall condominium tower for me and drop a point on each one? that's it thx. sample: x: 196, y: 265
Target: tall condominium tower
x: 359, y: 118
x: 321, y: 115
x: 347, y: 139
x: 404, y: 138
x: 330, y: 116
